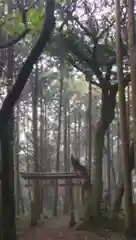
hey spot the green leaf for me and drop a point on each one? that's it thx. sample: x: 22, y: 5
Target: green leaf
x: 13, y: 22
x: 35, y: 19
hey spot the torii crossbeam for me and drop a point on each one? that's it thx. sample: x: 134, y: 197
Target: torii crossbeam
x: 49, y: 176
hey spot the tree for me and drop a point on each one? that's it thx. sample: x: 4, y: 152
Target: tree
x: 124, y: 129
x: 6, y: 111
x: 35, y: 211
x: 59, y: 132
x: 90, y: 125
x: 84, y: 57
x: 132, y: 50
x: 7, y: 141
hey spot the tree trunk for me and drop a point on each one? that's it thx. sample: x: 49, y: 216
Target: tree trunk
x: 59, y: 136
x: 78, y: 133
x: 7, y: 109
x: 123, y: 128
x: 75, y: 145
x: 19, y: 198
x: 35, y: 205
x: 7, y: 184
x: 120, y: 190
x: 108, y: 169
x: 72, y: 213
x: 132, y: 51
x: 108, y: 105
x: 28, y: 168
x: 90, y: 128
x: 41, y: 155
x: 66, y: 200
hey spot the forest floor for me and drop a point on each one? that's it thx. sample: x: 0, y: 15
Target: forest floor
x: 56, y: 229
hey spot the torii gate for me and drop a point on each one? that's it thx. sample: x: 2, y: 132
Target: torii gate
x: 49, y: 175
x: 56, y: 176
x: 81, y: 173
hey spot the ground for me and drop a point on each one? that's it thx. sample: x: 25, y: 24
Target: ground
x: 57, y: 229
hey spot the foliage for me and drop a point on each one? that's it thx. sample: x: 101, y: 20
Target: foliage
x: 13, y: 22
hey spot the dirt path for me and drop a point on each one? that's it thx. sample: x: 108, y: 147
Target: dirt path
x: 57, y: 229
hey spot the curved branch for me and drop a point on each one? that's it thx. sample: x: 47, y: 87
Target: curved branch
x: 105, y: 30
x: 16, y: 40
x: 85, y: 72
x: 85, y: 29
x: 75, y: 49
x: 32, y: 58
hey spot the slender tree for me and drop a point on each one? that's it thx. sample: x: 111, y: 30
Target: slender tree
x: 132, y: 51
x: 59, y: 134
x: 123, y: 127
x: 108, y: 167
x: 90, y: 125
x: 7, y: 151
x: 6, y: 137
x: 35, y: 213
x: 66, y: 152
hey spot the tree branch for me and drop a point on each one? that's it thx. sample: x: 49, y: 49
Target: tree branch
x: 82, y: 56
x: 105, y: 30
x: 85, y: 72
x: 85, y: 29
x: 15, y: 40
x: 15, y: 92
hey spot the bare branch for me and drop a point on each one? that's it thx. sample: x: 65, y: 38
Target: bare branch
x: 85, y: 72
x: 105, y: 30
x: 88, y: 33
x: 82, y: 56
x: 32, y: 58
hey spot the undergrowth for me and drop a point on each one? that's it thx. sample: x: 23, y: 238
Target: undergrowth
x: 102, y: 223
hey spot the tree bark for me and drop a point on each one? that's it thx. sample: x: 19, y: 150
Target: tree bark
x: 108, y: 169
x: 7, y: 184
x: 35, y: 210
x: 120, y: 190
x: 108, y: 105
x: 123, y: 127
x: 59, y: 135
x: 66, y: 200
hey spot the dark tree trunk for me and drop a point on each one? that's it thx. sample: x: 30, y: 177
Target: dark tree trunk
x: 35, y: 211
x: 59, y: 136
x: 108, y: 169
x: 7, y: 183
x: 120, y: 190
x: 7, y: 186
x: 108, y: 105
x: 66, y: 200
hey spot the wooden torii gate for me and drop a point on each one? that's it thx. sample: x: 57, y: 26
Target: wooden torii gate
x: 56, y: 176
x: 81, y: 172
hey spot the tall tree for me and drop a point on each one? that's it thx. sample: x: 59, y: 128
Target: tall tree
x: 7, y: 141
x: 90, y: 125
x: 66, y: 151
x: 123, y: 127
x: 132, y: 51
x: 59, y: 133
x: 108, y: 167
x: 5, y: 114
x: 17, y: 163
x: 35, y: 211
